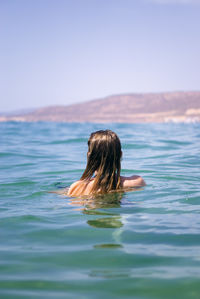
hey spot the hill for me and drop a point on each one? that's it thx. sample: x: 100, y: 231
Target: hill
x: 128, y: 108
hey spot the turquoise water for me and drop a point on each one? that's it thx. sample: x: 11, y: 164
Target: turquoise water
x: 140, y: 244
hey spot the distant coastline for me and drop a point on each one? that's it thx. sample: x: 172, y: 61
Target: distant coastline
x: 123, y: 108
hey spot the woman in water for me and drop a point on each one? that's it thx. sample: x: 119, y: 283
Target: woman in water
x: 102, y: 173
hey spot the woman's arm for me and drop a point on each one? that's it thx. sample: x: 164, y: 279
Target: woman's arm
x: 132, y: 181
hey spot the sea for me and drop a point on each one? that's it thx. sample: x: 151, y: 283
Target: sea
x: 141, y: 244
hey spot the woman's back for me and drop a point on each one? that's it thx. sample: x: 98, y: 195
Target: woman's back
x: 81, y: 188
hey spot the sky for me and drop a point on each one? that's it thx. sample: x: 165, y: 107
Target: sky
x: 60, y: 52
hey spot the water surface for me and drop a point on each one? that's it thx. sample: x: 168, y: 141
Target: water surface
x: 139, y: 244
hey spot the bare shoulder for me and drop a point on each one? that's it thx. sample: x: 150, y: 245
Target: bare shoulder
x: 73, y: 187
x: 80, y: 188
x: 132, y: 181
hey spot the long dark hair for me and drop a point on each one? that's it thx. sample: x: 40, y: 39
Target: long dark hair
x: 103, y: 161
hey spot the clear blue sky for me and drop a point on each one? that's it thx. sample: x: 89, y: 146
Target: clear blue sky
x: 67, y: 51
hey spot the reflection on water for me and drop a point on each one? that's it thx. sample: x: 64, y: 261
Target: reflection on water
x: 98, y: 201
x: 94, y: 205
x: 111, y: 222
x: 112, y: 246
x: 97, y: 212
x: 110, y: 200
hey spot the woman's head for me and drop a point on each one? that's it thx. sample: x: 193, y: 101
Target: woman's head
x: 103, y: 159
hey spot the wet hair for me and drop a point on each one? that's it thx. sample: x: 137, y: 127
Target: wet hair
x: 103, y: 161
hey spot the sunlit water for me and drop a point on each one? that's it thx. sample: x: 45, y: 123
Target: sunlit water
x: 140, y: 244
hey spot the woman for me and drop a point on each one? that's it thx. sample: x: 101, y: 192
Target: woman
x: 102, y: 173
